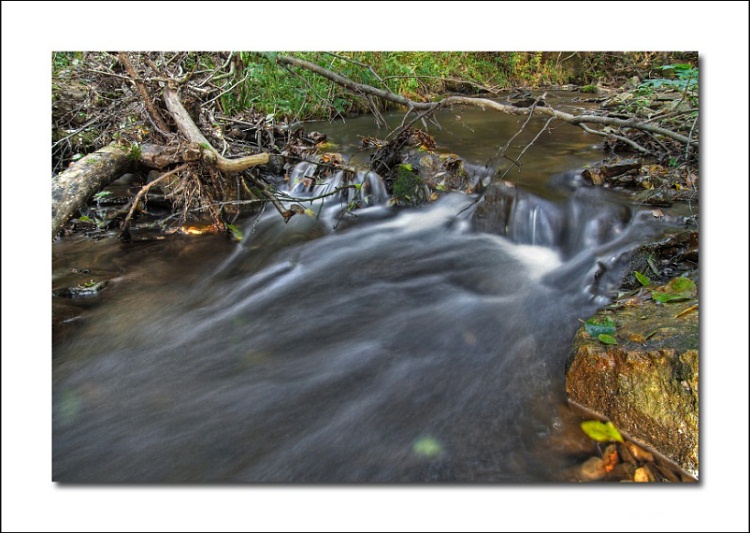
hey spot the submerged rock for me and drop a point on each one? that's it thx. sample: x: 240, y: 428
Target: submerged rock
x: 647, y: 384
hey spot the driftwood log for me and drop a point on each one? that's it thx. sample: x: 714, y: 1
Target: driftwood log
x: 72, y: 188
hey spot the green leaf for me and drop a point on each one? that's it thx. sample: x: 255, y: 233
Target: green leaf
x: 596, y: 328
x: 642, y: 279
x: 407, y: 166
x: 84, y: 218
x: 652, y: 265
x: 102, y: 194
x: 607, y: 339
x: 600, y: 431
x: 427, y: 447
x: 236, y: 233
x: 676, y: 290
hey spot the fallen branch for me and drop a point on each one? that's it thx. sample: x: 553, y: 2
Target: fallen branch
x: 483, y: 103
x: 210, y: 155
x: 72, y: 188
x: 156, y: 117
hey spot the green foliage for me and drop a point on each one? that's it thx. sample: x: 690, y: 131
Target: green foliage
x: 62, y: 60
x: 685, y: 78
x: 257, y: 81
x: 301, y: 95
x: 601, y: 330
x: 676, y: 290
x: 600, y: 431
x: 588, y: 89
x: 135, y: 152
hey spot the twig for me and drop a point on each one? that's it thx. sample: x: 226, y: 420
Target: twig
x: 94, y: 71
x: 222, y: 93
x: 217, y: 69
x: 79, y: 130
x: 493, y: 90
x: 155, y: 115
x: 690, y: 135
x: 618, y: 137
x: 518, y: 159
x: 359, y: 63
x: 501, y: 153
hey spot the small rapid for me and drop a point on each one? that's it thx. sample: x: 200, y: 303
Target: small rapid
x: 369, y: 345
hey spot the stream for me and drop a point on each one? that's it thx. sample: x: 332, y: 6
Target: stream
x: 389, y: 345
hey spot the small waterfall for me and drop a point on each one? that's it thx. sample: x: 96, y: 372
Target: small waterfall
x: 588, y: 217
x: 360, y: 189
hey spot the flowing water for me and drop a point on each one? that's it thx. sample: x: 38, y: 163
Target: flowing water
x: 381, y: 346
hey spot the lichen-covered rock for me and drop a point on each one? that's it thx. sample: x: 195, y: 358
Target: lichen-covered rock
x: 647, y: 384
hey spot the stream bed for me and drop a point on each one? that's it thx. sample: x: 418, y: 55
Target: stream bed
x: 393, y: 345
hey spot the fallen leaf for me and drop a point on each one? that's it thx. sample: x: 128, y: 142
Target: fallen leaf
x: 601, y: 431
x: 595, y: 328
x: 642, y: 279
x: 677, y: 289
x: 427, y: 447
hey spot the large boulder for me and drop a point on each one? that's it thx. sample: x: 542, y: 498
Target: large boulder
x: 647, y: 383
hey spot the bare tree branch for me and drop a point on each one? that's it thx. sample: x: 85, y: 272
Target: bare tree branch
x: 154, y: 114
x: 482, y: 103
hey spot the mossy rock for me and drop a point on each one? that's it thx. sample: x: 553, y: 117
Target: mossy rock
x: 647, y: 384
x: 408, y: 187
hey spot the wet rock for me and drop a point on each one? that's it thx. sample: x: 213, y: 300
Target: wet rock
x: 647, y: 384
x: 440, y: 172
x: 675, y: 254
x: 605, y: 174
x: 664, y: 197
x: 84, y: 289
x: 593, y: 469
x: 643, y: 475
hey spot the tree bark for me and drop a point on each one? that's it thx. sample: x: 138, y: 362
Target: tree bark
x: 72, y: 188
